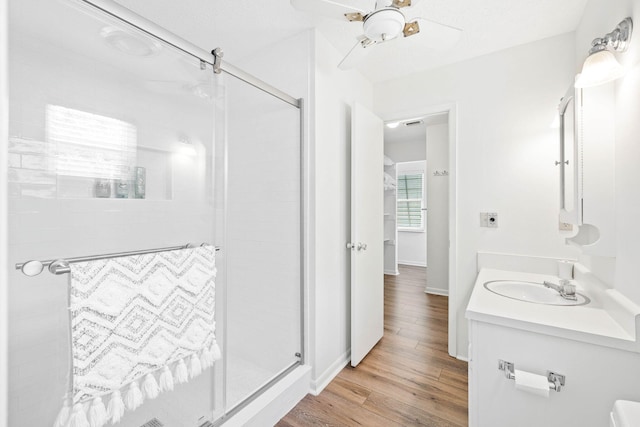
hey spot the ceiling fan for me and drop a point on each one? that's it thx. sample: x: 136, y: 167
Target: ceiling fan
x: 389, y: 19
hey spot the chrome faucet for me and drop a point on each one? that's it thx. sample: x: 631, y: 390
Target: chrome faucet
x: 565, y: 289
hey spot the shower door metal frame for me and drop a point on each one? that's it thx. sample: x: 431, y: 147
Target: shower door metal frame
x: 131, y: 18
x: 4, y: 169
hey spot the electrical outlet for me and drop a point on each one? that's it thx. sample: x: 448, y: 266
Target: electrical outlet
x: 489, y: 219
x: 565, y: 226
x: 492, y: 219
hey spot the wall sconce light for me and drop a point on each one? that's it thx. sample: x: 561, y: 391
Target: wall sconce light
x: 186, y: 147
x: 601, y: 66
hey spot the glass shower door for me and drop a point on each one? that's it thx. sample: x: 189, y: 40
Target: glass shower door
x: 111, y: 149
x: 263, y: 240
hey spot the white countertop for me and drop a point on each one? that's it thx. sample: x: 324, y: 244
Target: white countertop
x: 596, y: 322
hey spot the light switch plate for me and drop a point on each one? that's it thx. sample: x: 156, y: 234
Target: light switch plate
x: 489, y: 219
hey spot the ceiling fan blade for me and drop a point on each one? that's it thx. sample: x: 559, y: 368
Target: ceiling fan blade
x: 356, y: 54
x: 411, y: 28
x: 328, y: 8
x: 436, y: 35
x: 401, y: 3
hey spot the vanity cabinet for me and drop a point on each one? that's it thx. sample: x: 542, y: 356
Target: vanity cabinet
x: 596, y: 376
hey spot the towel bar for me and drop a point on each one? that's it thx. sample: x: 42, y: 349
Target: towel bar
x: 61, y: 266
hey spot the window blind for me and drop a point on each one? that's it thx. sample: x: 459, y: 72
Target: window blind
x: 90, y: 145
x: 410, y: 200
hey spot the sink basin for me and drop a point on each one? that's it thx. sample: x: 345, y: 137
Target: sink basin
x: 532, y: 292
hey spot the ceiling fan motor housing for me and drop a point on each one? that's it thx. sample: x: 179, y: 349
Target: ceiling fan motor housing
x: 384, y: 24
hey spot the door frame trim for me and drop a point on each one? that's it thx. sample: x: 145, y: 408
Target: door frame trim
x: 452, y: 110
x: 4, y: 245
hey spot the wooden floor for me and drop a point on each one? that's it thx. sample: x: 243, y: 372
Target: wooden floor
x: 408, y: 378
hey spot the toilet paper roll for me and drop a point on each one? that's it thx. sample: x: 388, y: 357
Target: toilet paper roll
x: 565, y: 269
x: 532, y: 383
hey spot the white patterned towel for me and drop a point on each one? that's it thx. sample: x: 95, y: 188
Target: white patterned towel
x: 138, y: 324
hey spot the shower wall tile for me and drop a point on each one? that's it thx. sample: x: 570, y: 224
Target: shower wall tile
x: 38, y: 191
x: 45, y: 163
x: 15, y: 160
x: 27, y: 146
x: 14, y: 190
x: 25, y: 176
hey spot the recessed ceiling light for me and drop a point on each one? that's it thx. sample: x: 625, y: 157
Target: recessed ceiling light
x: 393, y: 125
x: 131, y: 44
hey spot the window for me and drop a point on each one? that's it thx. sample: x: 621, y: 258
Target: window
x: 89, y: 145
x: 410, y: 215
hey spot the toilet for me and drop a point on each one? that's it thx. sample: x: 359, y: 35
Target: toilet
x: 625, y: 414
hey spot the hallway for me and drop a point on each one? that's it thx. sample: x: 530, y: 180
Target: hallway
x: 407, y: 379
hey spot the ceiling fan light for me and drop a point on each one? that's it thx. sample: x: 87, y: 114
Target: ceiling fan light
x: 384, y: 24
x: 353, y: 17
x: 600, y: 67
x: 411, y: 28
x: 402, y: 3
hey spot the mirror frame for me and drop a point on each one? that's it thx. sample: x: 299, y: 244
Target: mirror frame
x: 573, y: 216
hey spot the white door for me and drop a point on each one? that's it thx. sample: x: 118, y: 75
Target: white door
x: 367, y: 223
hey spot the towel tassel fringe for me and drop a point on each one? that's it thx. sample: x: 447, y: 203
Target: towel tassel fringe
x: 78, y: 417
x: 150, y: 387
x: 134, y: 397
x: 182, y: 375
x: 166, y: 379
x: 115, y: 408
x: 97, y: 413
x: 196, y: 366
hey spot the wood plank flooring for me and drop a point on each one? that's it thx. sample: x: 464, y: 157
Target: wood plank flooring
x: 408, y: 379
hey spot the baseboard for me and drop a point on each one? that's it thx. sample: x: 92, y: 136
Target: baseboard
x: 413, y: 263
x: 392, y: 272
x: 275, y: 403
x: 437, y: 291
x: 330, y: 373
x: 462, y: 358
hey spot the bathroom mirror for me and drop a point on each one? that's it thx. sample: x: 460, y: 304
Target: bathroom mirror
x: 569, y: 162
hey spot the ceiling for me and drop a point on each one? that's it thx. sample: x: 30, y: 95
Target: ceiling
x: 243, y: 27
x: 412, y: 133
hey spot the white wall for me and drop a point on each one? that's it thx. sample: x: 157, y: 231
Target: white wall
x: 412, y: 245
x: 406, y: 151
x: 505, y: 149
x: 437, y: 210
x: 601, y: 17
x: 334, y: 91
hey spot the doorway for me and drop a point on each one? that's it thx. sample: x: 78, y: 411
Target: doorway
x: 419, y: 192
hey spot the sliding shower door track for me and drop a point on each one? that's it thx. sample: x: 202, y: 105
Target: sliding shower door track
x: 131, y: 18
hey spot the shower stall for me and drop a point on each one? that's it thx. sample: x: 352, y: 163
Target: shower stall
x: 122, y: 138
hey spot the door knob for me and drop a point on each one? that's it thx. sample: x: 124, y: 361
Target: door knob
x: 351, y: 246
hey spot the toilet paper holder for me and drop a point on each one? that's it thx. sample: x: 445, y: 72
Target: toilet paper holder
x: 556, y: 380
